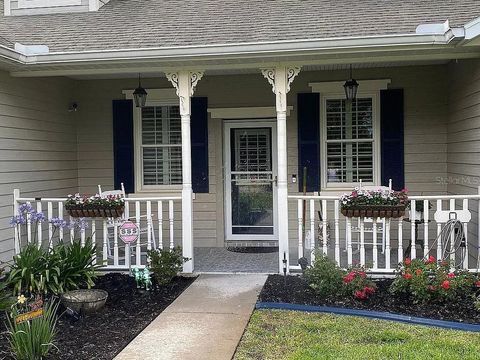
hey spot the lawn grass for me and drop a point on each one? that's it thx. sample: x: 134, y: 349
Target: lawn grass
x: 277, y: 334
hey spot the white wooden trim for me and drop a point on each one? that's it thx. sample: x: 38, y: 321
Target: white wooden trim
x: 29, y: 4
x: 245, y: 112
x: 262, y: 123
x: 376, y: 141
x: 6, y: 7
x: 336, y: 87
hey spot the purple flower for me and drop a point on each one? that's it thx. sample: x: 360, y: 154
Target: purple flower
x: 17, y: 220
x: 38, y: 216
x: 58, y: 222
x: 82, y: 224
x: 26, y: 209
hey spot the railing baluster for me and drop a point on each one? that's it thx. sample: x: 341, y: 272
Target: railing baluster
x: 94, y: 241
x: 72, y: 229
x: 60, y: 216
x: 128, y: 255
x: 312, y: 230
x: 426, y: 217
x: 170, y: 220
x: 160, y: 224
x: 337, y: 231
x: 324, y: 223
x: 413, y: 249
x: 452, y: 235
x: 115, y: 243
x: 300, y: 227
x: 375, y: 247
x: 349, y: 241
x: 50, y: 226
x: 105, y: 245
x: 138, y: 254
x: 387, y: 244
x: 39, y: 225
x: 362, y: 241
x: 29, y: 226
x: 82, y: 236
x: 400, y: 240
x: 465, y: 231
x: 149, y: 225
x: 439, y: 230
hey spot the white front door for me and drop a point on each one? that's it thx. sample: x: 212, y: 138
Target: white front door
x: 250, y: 180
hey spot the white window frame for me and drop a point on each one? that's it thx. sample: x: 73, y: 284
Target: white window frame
x: 334, y: 90
x: 155, y: 97
x: 31, y: 4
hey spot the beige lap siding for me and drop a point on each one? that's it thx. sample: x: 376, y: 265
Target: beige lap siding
x: 38, y: 151
x: 425, y: 132
x: 463, y: 162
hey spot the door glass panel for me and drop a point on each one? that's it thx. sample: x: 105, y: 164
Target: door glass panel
x: 252, y: 181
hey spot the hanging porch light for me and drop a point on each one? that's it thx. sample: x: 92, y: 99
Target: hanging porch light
x: 351, y: 87
x: 140, y: 95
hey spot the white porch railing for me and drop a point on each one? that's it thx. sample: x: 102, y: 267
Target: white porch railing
x: 157, y: 217
x: 380, y: 244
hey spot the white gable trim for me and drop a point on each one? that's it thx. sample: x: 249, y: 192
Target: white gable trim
x: 336, y: 87
x: 29, y: 4
x: 245, y: 112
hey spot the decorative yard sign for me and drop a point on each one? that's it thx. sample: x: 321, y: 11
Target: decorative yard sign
x: 129, y: 232
x: 28, y: 309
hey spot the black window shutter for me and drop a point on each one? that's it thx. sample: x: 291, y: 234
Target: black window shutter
x: 391, y: 115
x: 199, y: 137
x: 123, y: 151
x: 308, y: 107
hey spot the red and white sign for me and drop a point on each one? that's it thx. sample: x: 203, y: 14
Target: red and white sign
x: 129, y: 232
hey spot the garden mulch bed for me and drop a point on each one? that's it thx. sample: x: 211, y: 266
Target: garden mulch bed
x: 103, y: 335
x: 297, y: 291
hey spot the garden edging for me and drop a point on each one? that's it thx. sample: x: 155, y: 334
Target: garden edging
x: 370, y: 314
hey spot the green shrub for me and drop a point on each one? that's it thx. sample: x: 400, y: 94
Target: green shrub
x: 5, y: 294
x: 324, y: 276
x: 32, y: 340
x: 165, y: 264
x: 62, y: 268
x: 430, y: 280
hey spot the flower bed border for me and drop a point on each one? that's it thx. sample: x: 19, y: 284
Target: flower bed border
x: 453, y: 325
x: 375, y: 211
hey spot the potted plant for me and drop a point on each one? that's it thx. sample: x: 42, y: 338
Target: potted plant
x: 95, y: 206
x: 374, y: 203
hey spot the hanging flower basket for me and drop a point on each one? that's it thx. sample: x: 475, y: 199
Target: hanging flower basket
x: 79, y: 206
x: 374, y: 203
x: 375, y: 211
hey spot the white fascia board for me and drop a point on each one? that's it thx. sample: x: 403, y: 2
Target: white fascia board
x: 472, y: 29
x: 12, y: 55
x: 371, y: 43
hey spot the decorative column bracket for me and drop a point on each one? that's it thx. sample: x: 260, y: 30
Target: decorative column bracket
x: 194, y: 78
x: 290, y: 72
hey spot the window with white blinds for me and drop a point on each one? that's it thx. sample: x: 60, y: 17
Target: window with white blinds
x: 161, y: 145
x: 349, y: 137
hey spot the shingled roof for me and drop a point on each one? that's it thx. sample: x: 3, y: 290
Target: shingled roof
x: 127, y: 24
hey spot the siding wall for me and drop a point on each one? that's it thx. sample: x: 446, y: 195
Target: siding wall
x: 463, y: 161
x: 425, y: 131
x: 38, y: 151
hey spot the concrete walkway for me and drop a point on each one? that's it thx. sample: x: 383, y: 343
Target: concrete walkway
x: 205, y: 322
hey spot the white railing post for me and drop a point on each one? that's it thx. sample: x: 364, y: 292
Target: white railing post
x: 375, y: 245
x: 39, y: 225
x: 349, y: 242
x: 426, y: 217
x: 300, y: 227
x: 413, y: 232
x: 337, y: 231
x: 324, y: 227
x: 280, y: 78
x: 185, y: 82
x: 16, y: 229
x: 312, y: 231
x: 400, y: 240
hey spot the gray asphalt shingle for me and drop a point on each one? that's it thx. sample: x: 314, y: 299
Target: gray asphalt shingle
x: 123, y: 24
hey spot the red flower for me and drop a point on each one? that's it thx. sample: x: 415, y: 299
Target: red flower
x: 407, y: 262
x: 354, y: 194
x: 418, y: 272
x: 349, y: 278
x: 407, y: 276
x: 446, y: 285
x: 450, y: 275
x: 362, y: 274
x: 431, y: 287
x: 430, y: 260
x: 369, y: 290
x: 477, y: 283
x: 360, y: 294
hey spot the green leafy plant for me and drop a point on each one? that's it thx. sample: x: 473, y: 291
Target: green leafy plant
x: 165, y: 264
x: 62, y: 268
x: 324, y: 276
x: 33, y: 339
x: 5, y: 294
x: 430, y: 280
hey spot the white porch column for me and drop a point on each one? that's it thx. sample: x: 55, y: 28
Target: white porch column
x: 280, y: 78
x: 184, y: 82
